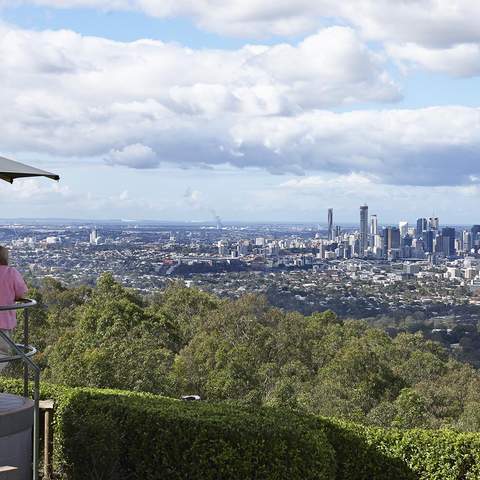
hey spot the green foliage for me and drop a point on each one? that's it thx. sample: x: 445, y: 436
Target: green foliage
x: 106, y: 434
x: 183, y: 341
x: 365, y: 453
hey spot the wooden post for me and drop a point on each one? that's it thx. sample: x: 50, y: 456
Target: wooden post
x: 8, y: 473
x: 47, y: 406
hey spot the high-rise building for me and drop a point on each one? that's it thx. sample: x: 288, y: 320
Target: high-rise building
x: 330, y: 223
x: 475, y: 236
x: 373, y: 225
x: 433, y: 223
x: 363, y: 230
x: 222, y: 248
x: 391, y: 238
x: 403, y: 227
x: 428, y: 237
x: 421, y: 226
x: 93, y: 237
x: 448, y: 234
x: 466, y: 241
x: 438, y: 246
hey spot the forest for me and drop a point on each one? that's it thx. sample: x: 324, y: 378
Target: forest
x: 184, y: 341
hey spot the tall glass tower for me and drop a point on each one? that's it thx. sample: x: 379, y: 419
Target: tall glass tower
x: 330, y: 223
x: 373, y: 225
x: 363, y: 230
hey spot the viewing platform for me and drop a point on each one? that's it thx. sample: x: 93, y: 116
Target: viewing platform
x: 19, y: 415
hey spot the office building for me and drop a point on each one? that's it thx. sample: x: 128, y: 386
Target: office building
x: 438, y: 246
x: 403, y: 227
x: 428, y: 238
x: 93, y: 237
x: 475, y: 236
x: 363, y: 244
x: 421, y: 226
x: 391, y: 239
x: 433, y: 223
x: 466, y: 241
x: 330, y: 223
x: 373, y: 225
x: 448, y: 234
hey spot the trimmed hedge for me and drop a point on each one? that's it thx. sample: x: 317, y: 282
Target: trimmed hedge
x: 361, y: 453
x: 106, y: 434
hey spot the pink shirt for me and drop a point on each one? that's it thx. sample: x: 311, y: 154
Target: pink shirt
x: 12, y: 287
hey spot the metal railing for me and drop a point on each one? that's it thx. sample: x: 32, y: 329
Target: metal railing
x: 23, y: 352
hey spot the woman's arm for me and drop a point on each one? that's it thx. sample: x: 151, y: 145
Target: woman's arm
x: 19, y: 285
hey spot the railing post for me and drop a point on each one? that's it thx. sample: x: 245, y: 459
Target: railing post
x: 36, y: 424
x: 25, y: 342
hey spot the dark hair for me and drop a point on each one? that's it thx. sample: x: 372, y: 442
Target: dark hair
x: 3, y: 256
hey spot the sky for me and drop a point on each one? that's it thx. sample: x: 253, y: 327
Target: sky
x: 253, y: 110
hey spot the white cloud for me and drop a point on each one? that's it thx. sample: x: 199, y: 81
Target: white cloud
x: 31, y: 197
x: 311, y: 196
x: 440, y: 35
x: 417, y: 147
x: 134, y: 156
x: 331, y: 67
x: 437, y: 23
x: 145, y: 103
x: 462, y: 60
x: 192, y: 199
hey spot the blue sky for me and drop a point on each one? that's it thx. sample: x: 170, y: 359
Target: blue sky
x: 256, y: 110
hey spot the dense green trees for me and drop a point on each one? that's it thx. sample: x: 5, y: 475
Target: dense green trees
x: 184, y: 341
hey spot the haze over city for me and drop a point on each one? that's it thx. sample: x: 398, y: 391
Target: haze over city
x: 257, y: 111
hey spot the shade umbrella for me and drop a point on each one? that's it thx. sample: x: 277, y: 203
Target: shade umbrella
x: 10, y: 170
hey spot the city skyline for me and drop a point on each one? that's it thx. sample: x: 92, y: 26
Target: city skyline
x: 253, y: 110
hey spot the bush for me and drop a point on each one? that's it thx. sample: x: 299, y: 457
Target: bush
x: 361, y: 456
x: 365, y: 453
x: 106, y: 434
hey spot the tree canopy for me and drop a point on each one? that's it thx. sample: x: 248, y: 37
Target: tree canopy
x: 185, y: 341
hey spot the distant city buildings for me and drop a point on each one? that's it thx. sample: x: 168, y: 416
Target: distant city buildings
x: 425, y: 240
x: 142, y: 255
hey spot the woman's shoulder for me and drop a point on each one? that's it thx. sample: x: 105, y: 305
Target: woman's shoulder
x: 9, y: 270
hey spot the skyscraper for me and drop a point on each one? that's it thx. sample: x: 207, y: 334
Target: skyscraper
x: 392, y: 238
x: 475, y: 235
x: 373, y: 225
x: 428, y: 237
x: 421, y: 226
x: 363, y: 230
x: 448, y: 234
x: 93, y: 237
x: 330, y: 223
x: 403, y: 227
x: 433, y: 223
x: 466, y: 241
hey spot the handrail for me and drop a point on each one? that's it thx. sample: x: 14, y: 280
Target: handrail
x: 19, y: 305
x: 24, y: 352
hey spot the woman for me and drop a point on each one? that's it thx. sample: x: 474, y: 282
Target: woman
x: 12, y: 288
